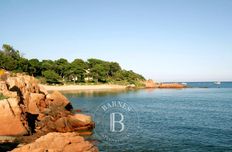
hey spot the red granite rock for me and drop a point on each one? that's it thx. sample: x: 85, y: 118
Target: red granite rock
x: 10, y: 118
x: 59, y: 142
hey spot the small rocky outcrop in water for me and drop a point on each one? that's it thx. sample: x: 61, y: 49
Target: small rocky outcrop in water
x: 151, y: 84
x: 30, y: 110
x: 172, y: 85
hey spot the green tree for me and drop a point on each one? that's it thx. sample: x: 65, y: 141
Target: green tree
x: 23, y: 65
x: 100, y: 73
x: 9, y: 57
x: 34, y: 67
x: 7, y: 62
x: 61, y: 66
x: 76, y: 70
x: 10, y: 51
x: 99, y: 69
x: 51, y: 76
x: 92, y: 62
x: 47, y: 65
x: 128, y: 76
x: 114, y: 67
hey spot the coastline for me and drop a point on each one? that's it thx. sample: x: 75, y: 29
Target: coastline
x: 109, y: 87
x: 98, y: 87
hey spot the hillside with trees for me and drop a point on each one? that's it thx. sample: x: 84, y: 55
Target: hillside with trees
x: 62, y: 71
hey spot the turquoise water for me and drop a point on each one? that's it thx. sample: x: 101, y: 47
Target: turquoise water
x: 192, y: 120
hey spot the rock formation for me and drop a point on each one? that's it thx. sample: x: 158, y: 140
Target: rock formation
x: 12, y: 123
x: 151, y: 84
x: 172, y: 85
x: 30, y: 110
x: 58, y: 142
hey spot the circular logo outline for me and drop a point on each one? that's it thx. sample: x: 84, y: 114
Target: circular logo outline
x: 115, y: 105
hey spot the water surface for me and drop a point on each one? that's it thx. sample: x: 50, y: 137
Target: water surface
x: 193, y: 119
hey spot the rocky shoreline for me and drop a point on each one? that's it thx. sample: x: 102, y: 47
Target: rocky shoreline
x: 151, y: 84
x: 33, y: 118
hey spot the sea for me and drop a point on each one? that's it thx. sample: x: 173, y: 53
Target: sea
x: 194, y: 119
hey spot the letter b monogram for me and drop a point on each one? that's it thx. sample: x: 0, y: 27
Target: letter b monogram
x: 113, y: 122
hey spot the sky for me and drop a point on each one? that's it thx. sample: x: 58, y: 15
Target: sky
x: 165, y: 40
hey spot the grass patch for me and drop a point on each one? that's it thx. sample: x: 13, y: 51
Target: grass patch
x: 2, y: 96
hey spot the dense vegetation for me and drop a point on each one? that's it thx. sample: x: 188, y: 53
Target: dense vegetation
x: 62, y: 71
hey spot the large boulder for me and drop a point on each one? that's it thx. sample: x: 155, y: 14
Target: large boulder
x: 12, y: 122
x: 57, y: 99
x: 59, y: 142
x: 83, y: 118
x: 24, y: 83
x: 78, y: 122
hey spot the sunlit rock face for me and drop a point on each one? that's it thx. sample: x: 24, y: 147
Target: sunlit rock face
x: 28, y: 109
x: 60, y: 142
x: 10, y: 117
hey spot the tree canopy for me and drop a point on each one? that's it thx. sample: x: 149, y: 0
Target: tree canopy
x: 62, y: 71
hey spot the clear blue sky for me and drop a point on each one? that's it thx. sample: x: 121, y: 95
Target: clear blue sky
x: 166, y: 40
